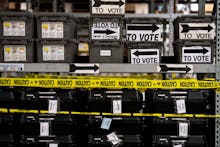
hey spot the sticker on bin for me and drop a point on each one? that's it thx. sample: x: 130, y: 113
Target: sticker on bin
x: 108, y: 7
x: 113, y: 138
x: 105, y: 53
x: 44, y: 128
x: 53, y: 144
x: 14, y: 28
x: 183, y: 129
x: 117, y: 106
x: 53, y: 106
x: 53, y: 52
x: 14, y: 53
x: 179, y: 145
x: 144, y: 32
x: 197, y: 30
x: 105, y: 31
x: 180, y: 106
x: 196, y: 54
x: 52, y: 29
x: 11, y: 67
x: 145, y: 56
x: 106, y: 123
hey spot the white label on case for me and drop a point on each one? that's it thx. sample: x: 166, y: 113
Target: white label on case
x: 52, y: 108
x: 183, y: 129
x: 106, y: 123
x: 14, y: 28
x: 53, y: 144
x: 179, y: 145
x: 181, y: 106
x: 113, y: 138
x: 53, y: 52
x: 44, y: 129
x: 52, y: 29
x: 117, y: 106
x: 106, y: 53
x: 15, y: 53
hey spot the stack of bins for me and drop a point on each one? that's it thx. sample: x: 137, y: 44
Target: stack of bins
x: 194, y: 39
x: 180, y: 131
x: 106, y: 29
x: 16, y: 37
x: 108, y: 131
x: 145, y: 40
x: 56, y: 38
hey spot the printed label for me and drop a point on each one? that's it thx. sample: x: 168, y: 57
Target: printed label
x: 106, y: 53
x: 181, y: 106
x: 113, y: 138
x: 52, y: 29
x: 53, y: 144
x: 117, y: 106
x: 44, y: 129
x: 14, y: 28
x: 106, y: 123
x: 52, y: 108
x: 53, y: 52
x: 183, y: 129
x: 15, y: 53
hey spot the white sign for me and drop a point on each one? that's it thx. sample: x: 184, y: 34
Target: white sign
x: 181, y: 106
x: 84, y: 68
x: 145, y: 56
x: 197, y: 30
x: 183, y: 129
x: 144, y: 32
x: 108, y: 7
x: 105, y: 31
x: 196, y: 54
x: 44, y: 129
x: 174, y: 68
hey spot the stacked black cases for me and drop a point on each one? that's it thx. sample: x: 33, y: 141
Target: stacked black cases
x: 194, y: 39
x: 16, y: 37
x: 145, y: 38
x: 56, y: 37
x: 126, y: 129
x: 187, y: 132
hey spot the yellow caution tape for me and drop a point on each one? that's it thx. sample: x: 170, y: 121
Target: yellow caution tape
x: 164, y: 115
x: 110, y: 83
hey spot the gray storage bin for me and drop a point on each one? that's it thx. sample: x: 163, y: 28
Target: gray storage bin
x: 194, y: 51
x: 57, y: 51
x: 106, y: 52
x: 16, y: 25
x: 13, y: 50
x: 56, y: 26
x: 106, y: 28
x: 195, y: 27
x: 145, y: 52
x: 145, y: 29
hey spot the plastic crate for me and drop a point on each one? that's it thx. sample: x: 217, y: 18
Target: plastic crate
x: 194, y: 51
x: 16, y: 25
x: 15, y: 51
x: 106, y: 52
x: 195, y: 27
x: 145, y: 29
x: 57, y: 51
x: 145, y: 53
x: 106, y: 28
x: 56, y: 26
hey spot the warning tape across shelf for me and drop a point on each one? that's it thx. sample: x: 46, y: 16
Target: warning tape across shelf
x: 110, y: 83
x: 24, y: 111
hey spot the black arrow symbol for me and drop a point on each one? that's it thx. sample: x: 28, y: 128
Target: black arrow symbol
x: 138, y: 53
x: 98, y: 3
x: 108, y: 32
x: 193, y: 51
x: 140, y: 28
x: 187, y: 28
x: 73, y: 67
x: 164, y: 68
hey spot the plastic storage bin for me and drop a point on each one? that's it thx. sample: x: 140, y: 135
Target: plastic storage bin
x: 56, y: 26
x: 106, y: 52
x: 16, y: 25
x: 17, y: 51
x: 57, y: 51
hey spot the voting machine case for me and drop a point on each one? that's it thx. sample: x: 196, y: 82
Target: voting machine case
x: 127, y: 141
x: 7, y: 98
x: 165, y: 101
x: 39, y: 99
x: 122, y: 125
x: 170, y: 141
x: 194, y: 51
x: 36, y: 141
x: 6, y: 123
x: 103, y: 100
x: 7, y: 140
x: 199, y: 21
x: 165, y: 126
x: 58, y: 124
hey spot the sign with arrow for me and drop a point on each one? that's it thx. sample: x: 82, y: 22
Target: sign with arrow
x: 196, y: 54
x: 108, y: 7
x: 197, y: 30
x: 105, y: 31
x: 84, y: 68
x: 144, y: 32
x: 174, y: 68
x: 145, y: 56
